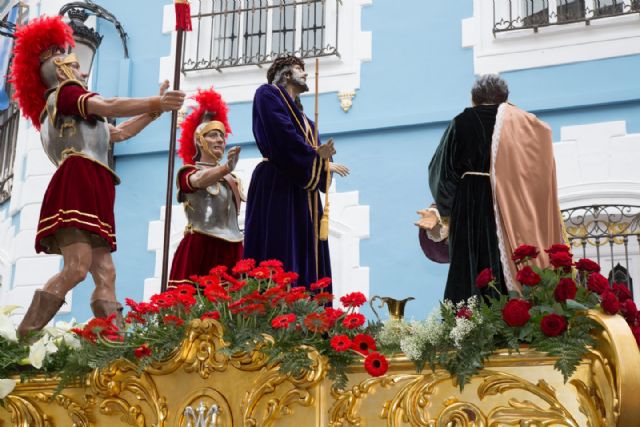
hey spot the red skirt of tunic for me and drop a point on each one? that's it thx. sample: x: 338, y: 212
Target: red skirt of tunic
x: 198, y: 253
x: 81, y: 195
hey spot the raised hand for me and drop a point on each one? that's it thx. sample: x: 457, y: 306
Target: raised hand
x: 428, y: 219
x: 232, y: 158
x: 163, y: 87
x: 171, y: 100
x: 325, y: 151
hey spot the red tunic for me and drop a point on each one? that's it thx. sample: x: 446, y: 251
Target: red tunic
x: 198, y: 253
x: 81, y: 193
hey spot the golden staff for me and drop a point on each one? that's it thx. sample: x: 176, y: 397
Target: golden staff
x: 324, y: 222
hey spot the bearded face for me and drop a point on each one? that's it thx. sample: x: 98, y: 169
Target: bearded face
x: 299, y: 78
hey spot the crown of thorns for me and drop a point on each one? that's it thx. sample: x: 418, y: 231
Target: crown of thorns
x: 280, y: 63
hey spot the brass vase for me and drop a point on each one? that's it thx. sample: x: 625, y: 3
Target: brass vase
x: 395, y: 307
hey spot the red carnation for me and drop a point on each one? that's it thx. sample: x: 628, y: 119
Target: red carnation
x: 353, y: 320
x: 142, y: 351
x: 363, y: 343
x: 629, y: 310
x: 320, y: 284
x: 566, y: 289
x: 609, y: 302
x: 622, y: 292
x: 524, y: 252
x: 244, y: 266
x: 323, y: 298
x: 317, y: 322
x: 354, y: 299
x: 553, y: 325
x: 597, y: 283
x: 283, y: 321
x: 464, y: 313
x: 340, y: 343
x: 215, y: 315
x: 527, y: 276
x: 170, y: 318
x: 484, y: 278
x: 516, y: 312
x: 561, y: 259
x: 557, y: 248
x: 587, y: 265
x: 376, y: 364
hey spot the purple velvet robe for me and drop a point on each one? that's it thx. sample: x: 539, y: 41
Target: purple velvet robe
x: 279, y: 222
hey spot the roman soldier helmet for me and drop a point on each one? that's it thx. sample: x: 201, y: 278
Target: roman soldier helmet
x: 40, y: 50
x: 210, y: 114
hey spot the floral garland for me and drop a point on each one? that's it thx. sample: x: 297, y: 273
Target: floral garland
x: 548, y: 315
x: 251, y: 302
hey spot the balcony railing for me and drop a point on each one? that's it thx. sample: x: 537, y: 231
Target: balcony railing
x: 510, y: 15
x: 8, y: 135
x: 232, y: 33
x: 609, y: 234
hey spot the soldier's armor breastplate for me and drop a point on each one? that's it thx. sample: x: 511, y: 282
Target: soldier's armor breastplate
x: 67, y: 135
x: 212, y: 211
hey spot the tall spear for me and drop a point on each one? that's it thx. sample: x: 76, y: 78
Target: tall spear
x: 183, y: 23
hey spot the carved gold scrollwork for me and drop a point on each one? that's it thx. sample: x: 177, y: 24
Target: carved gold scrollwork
x: 25, y: 414
x: 296, y: 393
x: 80, y: 415
x: 461, y: 414
x: 499, y: 383
x: 209, y: 397
x: 121, y: 377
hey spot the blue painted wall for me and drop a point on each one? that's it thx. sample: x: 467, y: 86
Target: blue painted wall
x: 418, y: 80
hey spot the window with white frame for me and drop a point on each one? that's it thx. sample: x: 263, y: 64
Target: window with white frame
x: 511, y: 35
x: 8, y: 137
x: 231, y: 33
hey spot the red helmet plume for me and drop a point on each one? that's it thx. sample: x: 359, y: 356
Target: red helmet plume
x: 32, y: 40
x: 210, y: 107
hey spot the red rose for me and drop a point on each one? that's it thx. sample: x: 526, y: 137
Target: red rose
x: 629, y: 311
x: 527, y: 276
x: 556, y: 248
x: 622, y: 292
x: 484, y: 278
x: 609, y: 302
x: 561, y: 259
x: 566, y: 289
x: 464, y: 312
x: 354, y: 299
x: 353, y: 320
x: 553, y: 325
x: 587, y: 265
x: 516, y: 312
x: 142, y: 351
x: 524, y: 252
x: 376, y: 364
x: 597, y: 283
x: 363, y: 343
x: 340, y: 343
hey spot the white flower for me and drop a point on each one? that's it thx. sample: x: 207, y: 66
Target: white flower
x: 60, y: 333
x: 7, y: 328
x: 392, y: 333
x: 6, y: 387
x: 40, y: 349
x: 460, y: 331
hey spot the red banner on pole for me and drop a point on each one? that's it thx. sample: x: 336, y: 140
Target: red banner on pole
x: 183, y: 15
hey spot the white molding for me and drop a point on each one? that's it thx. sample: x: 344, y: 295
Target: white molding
x: 238, y: 84
x: 348, y: 224
x: 552, y: 45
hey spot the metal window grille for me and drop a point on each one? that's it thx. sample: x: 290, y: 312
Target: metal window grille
x: 610, y: 234
x: 231, y: 33
x: 509, y: 15
x: 8, y: 136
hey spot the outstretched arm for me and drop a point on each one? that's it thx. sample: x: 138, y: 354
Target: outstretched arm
x: 133, y: 126
x: 127, y: 107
